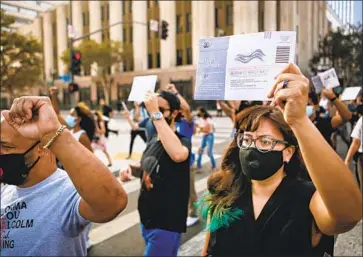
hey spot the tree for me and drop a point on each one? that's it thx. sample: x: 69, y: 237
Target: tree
x: 105, y: 54
x: 342, y: 50
x: 20, y: 59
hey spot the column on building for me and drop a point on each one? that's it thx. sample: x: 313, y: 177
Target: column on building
x: 139, y: 41
x: 245, y: 17
x: 37, y: 29
x: 77, y: 21
x: 61, y: 37
x: 305, y: 34
x: 288, y: 15
x: 315, y: 26
x: 323, y: 20
x: 48, y: 45
x: 203, y: 24
x: 270, y: 16
x: 168, y: 47
x: 115, y: 9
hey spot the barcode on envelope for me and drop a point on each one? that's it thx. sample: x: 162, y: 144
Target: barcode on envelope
x: 282, y: 54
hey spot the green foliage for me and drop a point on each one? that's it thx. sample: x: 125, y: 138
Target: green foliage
x: 342, y: 49
x: 20, y: 59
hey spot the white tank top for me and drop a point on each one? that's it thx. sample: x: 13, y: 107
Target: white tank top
x: 77, y: 134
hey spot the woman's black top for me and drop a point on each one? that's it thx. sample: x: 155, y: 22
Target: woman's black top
x: 283, y: 228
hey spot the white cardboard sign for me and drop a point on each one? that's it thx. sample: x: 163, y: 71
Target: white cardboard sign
x: 140, y: 86
x: 350, y: 93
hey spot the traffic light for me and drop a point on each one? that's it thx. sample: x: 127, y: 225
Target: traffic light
x: 76, y: 62
x: 164, y: 29
x: 73, y: 87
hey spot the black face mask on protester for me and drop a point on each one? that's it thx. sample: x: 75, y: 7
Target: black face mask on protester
x: 260, y: 166
x: 13, y: 169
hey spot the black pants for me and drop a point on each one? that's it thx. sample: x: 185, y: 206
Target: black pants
x: 107, y: 132
x: 134, y: 133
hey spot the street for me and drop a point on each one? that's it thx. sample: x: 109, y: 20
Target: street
x: 122, y: 237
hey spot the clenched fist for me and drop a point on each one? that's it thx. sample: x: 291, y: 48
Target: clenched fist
x: 33, y: 117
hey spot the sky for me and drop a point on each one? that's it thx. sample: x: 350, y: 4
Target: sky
x: 357, y: 11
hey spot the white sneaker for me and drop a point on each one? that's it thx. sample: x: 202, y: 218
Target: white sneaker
x: 191, y: 221
x: 89, y: 244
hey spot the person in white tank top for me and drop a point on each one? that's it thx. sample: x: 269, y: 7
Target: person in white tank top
x: 79, y: 120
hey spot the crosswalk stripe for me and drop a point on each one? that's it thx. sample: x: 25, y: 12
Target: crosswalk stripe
x: 193, y: 246
x: 124, y: 222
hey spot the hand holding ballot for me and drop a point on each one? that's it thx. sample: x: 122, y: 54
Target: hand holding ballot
x: 290, y: 93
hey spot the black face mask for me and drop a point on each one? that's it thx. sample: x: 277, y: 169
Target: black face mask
x: 260, y: 166
x: 13, y: 169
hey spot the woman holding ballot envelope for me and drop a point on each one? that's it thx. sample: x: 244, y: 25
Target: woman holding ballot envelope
x: 257, y: 205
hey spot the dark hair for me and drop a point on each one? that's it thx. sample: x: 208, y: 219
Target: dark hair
x: 226, y: 185
x: 204, y: 112
x: 87, y: 122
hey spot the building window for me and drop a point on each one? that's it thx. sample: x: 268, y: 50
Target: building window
x: 130, y: 6
x: 84, y: 19
x: 278, y: 15
x: 124, y: 35
x: 216, y: 20
x: 229, y: 15
x: 157, y: 59
x: 148, y: 4
x: 123, y: 7
x: 188, y: 22
x: 131, y: 35
x: 297, y: 33
x: 179, y: 57
x: 150, y: 61
x: 67, y: 21
x: 261, y: 15
x: 102, y: 13
x: 156, y: 3
x: 148, y: 30
x: 179, y: 25
x: 189, y: 55
x: 107, y: 12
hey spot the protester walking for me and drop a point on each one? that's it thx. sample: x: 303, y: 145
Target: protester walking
x: 164, y: 194
x: 137, y: 114
x: 206, y: 127
x: 99, y: 141
x: 256, y: 204
x: 54, y: 205
x: 108, y: 112
x: 186, y: 127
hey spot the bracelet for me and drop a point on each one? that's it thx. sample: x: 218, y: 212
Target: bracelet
x: 332, y: 100
x: 60, y: 130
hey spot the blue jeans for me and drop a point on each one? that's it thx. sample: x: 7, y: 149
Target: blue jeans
x: 207, y: 141
x: 160, y: 242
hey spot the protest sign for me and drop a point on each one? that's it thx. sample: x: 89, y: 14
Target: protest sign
x: 140, y: 86
x: 329, y: 78
x: 350, y: 93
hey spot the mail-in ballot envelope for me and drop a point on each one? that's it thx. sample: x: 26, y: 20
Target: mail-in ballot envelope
x: 242, y: 67
x: 329, y: 78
